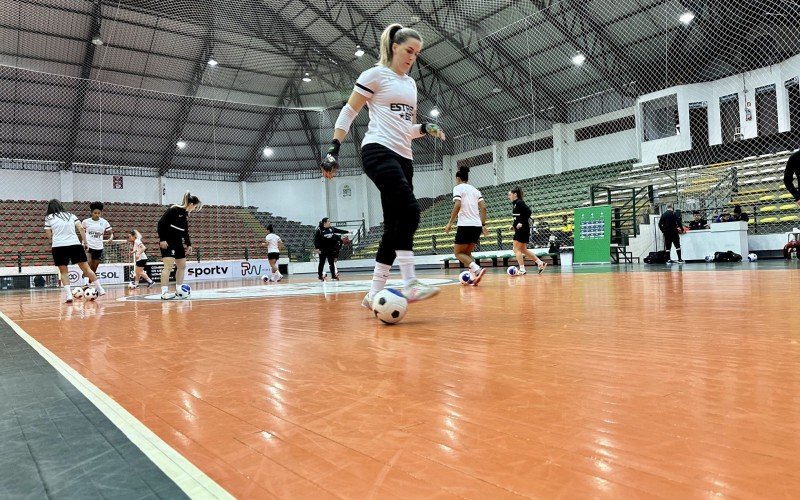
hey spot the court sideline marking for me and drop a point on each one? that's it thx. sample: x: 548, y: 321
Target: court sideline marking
x: 194, y: 482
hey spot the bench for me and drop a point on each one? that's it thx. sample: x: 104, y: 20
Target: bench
x: 496, y: 256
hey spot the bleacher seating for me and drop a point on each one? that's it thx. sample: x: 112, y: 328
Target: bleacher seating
x: 218, y: 232
x: 550, y: 197
x: 298, y: 237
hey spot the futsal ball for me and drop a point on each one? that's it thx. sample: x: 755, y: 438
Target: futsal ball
x: 77, y: 293
x: 90, y: 293
x: 183, y: 291
x: 752, y: 257
x: 512, y: 271
x: 389, y: 306
x: 132, y: 285
x: 709, y: 258
x: 265, y: 279
x: 465, y: 278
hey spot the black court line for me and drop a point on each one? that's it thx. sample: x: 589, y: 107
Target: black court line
x: 54, y: 443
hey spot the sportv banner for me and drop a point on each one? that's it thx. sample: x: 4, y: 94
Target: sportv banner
x: 212, y: 270
x: 108, y: 274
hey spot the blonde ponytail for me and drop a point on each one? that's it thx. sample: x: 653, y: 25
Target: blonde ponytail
x: 190, y: 198
x: 394, y: 33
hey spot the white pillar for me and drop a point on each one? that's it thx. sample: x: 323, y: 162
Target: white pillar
x: 162, y: 190
x: 243, y: 200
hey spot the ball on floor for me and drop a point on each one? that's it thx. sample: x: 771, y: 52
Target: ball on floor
x: 389, y: 306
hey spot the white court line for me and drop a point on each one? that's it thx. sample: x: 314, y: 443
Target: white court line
x: 183, y: 473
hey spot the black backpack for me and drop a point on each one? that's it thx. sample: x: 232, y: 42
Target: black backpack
x: 728, y: 256
x: 660, y: 257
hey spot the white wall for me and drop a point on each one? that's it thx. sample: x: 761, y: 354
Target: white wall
x: 300, y: 200
x: 29, y: 185
x: 529, y: 165
x: 432, y: 184
x: 211, y: 192
x: 345, y: 198
x: 743, y: 84
x: 90, y: 187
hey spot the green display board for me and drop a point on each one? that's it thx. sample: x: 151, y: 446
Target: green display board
x: 593, y: 235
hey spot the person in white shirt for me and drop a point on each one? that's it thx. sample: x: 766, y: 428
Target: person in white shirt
x: 98, y: 231
x: 391, y: 96
x: 139, y: 259
x: 63, y: 228
x: 470, y: 209
x: 274, y: 244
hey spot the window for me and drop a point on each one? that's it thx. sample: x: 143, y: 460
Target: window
x: 606, y: 128
x: 529, y: 147
x: 474, y: 161
x: 660, y: 118
x: 730, y: 122
x: 767, y: 110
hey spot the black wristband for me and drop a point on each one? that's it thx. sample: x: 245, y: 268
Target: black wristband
x: 423, y: 128
x: 333, y: 149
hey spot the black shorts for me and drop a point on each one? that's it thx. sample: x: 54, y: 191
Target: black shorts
x: 672, y: 238
x: 523, y: 235
x: 174, y: 249
x: 273, y: 256
x: 468, y: 235
x: 63, y: 255
x: 96, y: 254
x: 141, y: 263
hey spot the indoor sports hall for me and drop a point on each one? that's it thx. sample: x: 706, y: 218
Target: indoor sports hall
x: 380, y: 249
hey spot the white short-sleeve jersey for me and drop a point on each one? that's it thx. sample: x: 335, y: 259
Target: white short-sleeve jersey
x: 469, y: 196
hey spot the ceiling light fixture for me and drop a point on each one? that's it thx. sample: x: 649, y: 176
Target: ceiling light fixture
x: 359, y: 51
x: 212, y: 62
x: 435, y: 113
x: 181, y: 144
x: 687, y: 17
x: 96, y: 40
x: 307, y: 78
x: 268, y: 152
x: 578, y: 59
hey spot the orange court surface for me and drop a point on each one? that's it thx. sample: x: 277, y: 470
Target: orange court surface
x: 607, y: 382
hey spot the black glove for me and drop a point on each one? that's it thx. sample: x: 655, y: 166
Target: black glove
x: 331, y: 161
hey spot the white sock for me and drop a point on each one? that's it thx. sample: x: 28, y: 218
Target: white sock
x: 522, y: 267
x: 379, y: 277
x: 405, y: 259
x: 474, y: 267
x: 68, y: 290
x: 98, y: 286
x: 85, y: 280
x: 164, y: 289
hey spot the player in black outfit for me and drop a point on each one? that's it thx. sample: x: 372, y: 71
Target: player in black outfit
x: 328, y: 242
x: 792, y: 171
x: 522, y: 230
x: 672, y: 227
x: 173, y: 233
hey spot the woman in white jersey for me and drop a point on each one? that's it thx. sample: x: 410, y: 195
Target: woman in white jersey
x: 63, y: 229
x: 98, y: 231
x: 470, y: 209
x: 274, y: 244
x: 391, y: 96
x: 139, y: 259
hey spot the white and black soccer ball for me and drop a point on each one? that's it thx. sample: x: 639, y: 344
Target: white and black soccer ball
x: 751, y: 257
x: 709, y: 258
x: 90, y: 293
x: 77, y: 293
x: 183, y: 292
x: 389, y: 306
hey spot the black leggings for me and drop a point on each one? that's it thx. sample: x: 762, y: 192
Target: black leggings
x: 392, y: 175
x: 329, y: 256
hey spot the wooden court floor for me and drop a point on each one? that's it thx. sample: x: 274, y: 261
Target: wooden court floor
x: 673, y: 384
